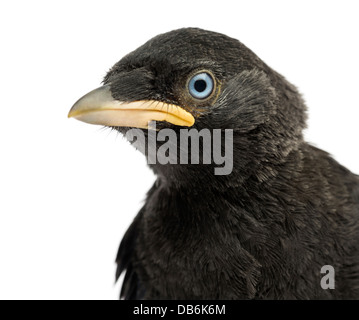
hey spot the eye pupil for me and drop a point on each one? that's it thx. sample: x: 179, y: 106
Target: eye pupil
x: 200, y: 85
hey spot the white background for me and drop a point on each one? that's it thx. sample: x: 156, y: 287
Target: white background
x: 70, y: 190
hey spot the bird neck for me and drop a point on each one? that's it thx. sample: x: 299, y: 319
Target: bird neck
x: 253, y: 163
x: 201, y: 177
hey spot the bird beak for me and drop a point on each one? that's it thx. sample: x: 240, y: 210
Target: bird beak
x: 99, y: 107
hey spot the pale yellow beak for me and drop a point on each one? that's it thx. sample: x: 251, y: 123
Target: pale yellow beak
x: 99, y: 107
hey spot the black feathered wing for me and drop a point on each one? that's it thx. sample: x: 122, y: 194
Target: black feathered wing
x: 131, y: 287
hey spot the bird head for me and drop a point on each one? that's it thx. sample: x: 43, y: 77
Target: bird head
x: 192, y: 78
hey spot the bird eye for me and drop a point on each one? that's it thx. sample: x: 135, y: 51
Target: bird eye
x: 201, y: 85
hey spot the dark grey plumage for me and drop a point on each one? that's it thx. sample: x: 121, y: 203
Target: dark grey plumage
x: 263, y: 232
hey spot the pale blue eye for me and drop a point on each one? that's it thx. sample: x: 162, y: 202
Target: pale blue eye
x: 201, y: 85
